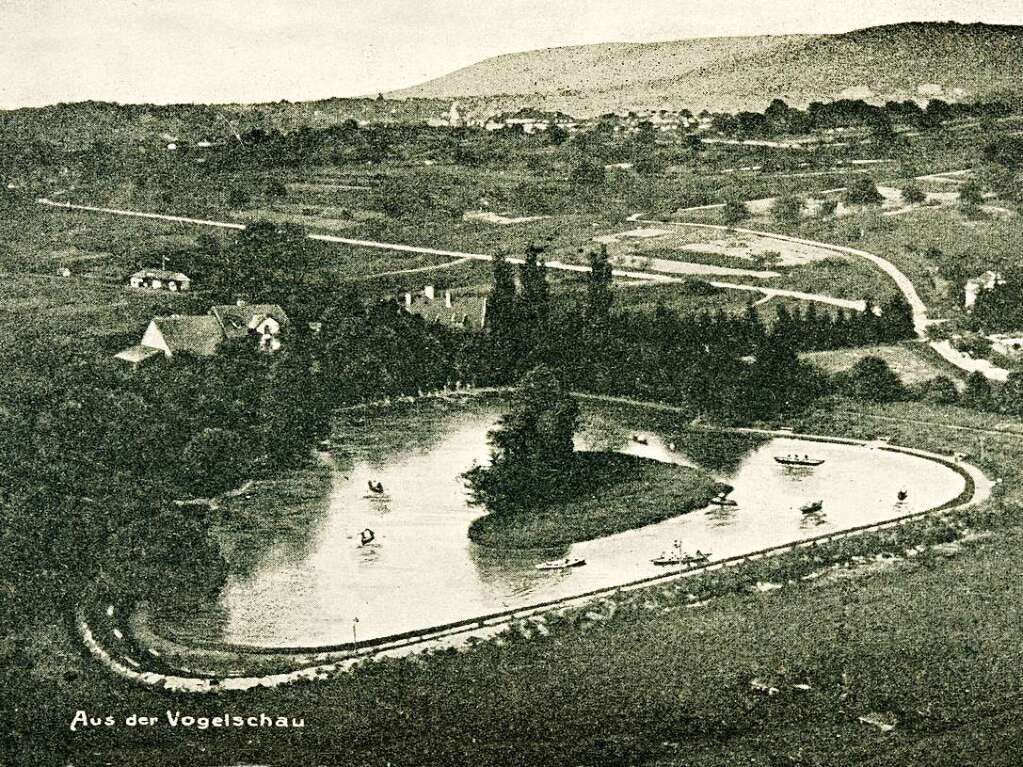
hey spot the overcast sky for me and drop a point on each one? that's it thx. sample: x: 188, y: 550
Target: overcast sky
x: 264, y: 50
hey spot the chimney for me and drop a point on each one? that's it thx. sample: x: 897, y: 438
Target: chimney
x: 408, y: 299
x: 447, y: 298
x: 428, y: 292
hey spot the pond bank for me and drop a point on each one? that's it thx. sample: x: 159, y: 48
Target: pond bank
x: 319, y: 662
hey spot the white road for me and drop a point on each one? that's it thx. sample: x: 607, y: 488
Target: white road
x: 920, y: 319
x: 905, y: 285
x: 643, y: 276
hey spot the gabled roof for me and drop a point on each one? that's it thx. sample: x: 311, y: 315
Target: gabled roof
x: 191, y: 334
x: 136, y: 354
x: 237, y: 319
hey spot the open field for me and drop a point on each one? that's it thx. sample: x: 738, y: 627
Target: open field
x: 53, y: 318
x: 921, y: 242
x: 904, y: 360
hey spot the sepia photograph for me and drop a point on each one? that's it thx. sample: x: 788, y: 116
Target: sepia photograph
x: 440, y: 383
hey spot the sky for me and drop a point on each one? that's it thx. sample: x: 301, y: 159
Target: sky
x: 172, y: 51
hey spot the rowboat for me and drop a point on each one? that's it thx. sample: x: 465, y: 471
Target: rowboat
x: 796, y: 460
x: 561, y: 564
x: 722, y: 499
x: 812, y: 508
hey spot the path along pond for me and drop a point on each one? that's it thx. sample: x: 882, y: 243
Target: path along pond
x: 311, y: 583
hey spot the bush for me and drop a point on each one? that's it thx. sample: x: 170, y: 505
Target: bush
x: 941, y: 391
x: 275, y: 189
x: 971, y: 197
x: 863, y: 191
x: 787, y: 209
x: 238, y: 198
x: 871, y: 380
x: 734, y: 212
x: 912, y: 194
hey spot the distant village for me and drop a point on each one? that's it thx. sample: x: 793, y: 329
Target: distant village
x: 532, y: 121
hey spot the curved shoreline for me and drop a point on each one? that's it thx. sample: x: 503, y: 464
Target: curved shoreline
x: 323, y: 661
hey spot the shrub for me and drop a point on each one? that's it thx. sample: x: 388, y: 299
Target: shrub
x: 912, y: 194
x: 863, y: 191
x: 787, y: 209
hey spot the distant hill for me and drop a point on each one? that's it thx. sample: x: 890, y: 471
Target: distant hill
x: 903, y: 61
x: 83, y: 123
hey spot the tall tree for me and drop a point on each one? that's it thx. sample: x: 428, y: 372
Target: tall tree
x: 529, y: 448
x: 502, y: 323
x: 599, y: 296
x: 535, y: 291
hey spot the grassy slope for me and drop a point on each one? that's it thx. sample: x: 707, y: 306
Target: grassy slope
x: 744, y: 73
x: 904, y: 359
x: 616, y: 492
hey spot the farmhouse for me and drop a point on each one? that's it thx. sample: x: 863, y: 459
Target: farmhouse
x: 202, y: 334
x: 177, y: 334
x: 243, y: 319
x: 160, y: 279
x: 462, y: 312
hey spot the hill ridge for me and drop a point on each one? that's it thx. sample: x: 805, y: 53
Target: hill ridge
x: 920, y: 60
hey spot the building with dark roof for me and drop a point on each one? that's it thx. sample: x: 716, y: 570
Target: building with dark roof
x: 464, y: 312
x: 241, y: 319
x: 184, y: 334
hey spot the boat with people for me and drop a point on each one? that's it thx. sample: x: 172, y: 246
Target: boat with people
x: 813, y: 507
x: 792, y: 459
x: 366, y: 537
x: 639, y: 440
x: 561, y: 564
x: 902, y: 495
x: 722, y: 499
x: 680, y: 557
x: 376, y: 487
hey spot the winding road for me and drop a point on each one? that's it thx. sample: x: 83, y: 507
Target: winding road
x: 920, y: 319
x: 639, y: 275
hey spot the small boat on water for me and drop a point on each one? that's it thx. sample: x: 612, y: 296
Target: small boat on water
x: 376, y: 487
x: 679, y: 557
x: 902, y: 495
x: 640, y: 440
x: 561, y: 564
x: 798, y: 460
x: 722, y: 499
x: 367, y: 536
x: 812, y: 508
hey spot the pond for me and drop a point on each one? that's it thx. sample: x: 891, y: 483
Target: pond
x: 421, y: 570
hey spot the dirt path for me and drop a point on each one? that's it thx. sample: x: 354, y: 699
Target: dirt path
x: 905, y: 285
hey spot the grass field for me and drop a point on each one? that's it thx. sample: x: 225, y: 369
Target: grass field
x: 907, y: 240
x: 908, y: 365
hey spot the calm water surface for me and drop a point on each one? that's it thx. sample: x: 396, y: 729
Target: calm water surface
x: 422, y: 570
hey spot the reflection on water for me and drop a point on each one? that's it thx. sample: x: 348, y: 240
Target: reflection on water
x: 422, y: 570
